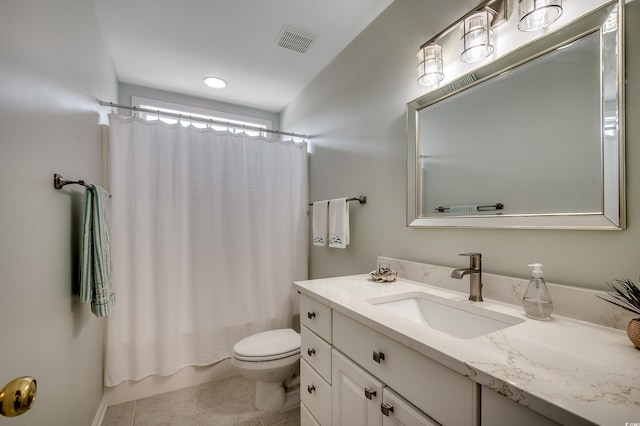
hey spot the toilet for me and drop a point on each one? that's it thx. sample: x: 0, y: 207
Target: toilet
x: 272, y: 360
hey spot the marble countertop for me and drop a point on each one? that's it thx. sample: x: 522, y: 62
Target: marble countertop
x: 572, y: 371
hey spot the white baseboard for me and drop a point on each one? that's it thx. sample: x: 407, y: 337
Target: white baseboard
x: 102, y: 409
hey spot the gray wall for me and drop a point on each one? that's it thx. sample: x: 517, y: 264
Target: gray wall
x: 356, y: 109
x: 53, y: 68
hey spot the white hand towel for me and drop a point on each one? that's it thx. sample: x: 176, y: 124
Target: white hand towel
x: 338, y: 223
x: 320, y: 223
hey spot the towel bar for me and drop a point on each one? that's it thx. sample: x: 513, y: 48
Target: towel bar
x: 497, y: 206
x: 59, y: 182
x: 362, y: 199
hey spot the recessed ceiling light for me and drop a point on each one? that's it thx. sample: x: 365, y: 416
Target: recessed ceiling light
x: 215, y: 82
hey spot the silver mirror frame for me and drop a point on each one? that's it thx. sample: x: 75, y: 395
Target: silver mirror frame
x: 613, y: 216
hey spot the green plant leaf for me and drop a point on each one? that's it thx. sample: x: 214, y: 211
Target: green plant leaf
x: 626, y: 295
x: 619, y: 304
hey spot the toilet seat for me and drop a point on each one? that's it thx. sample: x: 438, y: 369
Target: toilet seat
x: 268, y: 346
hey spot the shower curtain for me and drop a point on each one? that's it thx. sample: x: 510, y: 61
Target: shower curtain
x: 209, y: 230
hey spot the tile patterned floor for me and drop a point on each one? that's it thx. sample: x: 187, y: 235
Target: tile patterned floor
x: 223, y: 402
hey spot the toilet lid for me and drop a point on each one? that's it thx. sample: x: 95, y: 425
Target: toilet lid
x: 269, y: 344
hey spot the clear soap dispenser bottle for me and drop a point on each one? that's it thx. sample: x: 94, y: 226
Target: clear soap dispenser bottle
x: 537, y: 301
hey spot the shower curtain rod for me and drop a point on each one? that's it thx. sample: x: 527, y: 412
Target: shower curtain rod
x: 203, y: 120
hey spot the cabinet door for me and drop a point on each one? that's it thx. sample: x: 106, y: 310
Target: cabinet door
x: 397, y: 411
x: 356, y: 395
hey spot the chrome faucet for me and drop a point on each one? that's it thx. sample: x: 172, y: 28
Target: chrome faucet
x: 475, y: 275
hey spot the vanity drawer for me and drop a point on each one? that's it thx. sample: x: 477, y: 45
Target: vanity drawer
x: 316, y: 352
x: 306, y: 419
x: 440, y: 392
x: 316, y: 317
x: 315, y: 394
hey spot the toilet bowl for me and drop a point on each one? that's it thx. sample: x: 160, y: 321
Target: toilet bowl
x: 272, y: 360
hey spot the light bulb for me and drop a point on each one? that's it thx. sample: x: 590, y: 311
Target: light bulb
x: 477, y: 37
x: 430, y: 65
x: 215, y: 82
x: 536, y: 14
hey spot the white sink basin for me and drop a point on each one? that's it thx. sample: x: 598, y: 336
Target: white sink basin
x: 454, y: 318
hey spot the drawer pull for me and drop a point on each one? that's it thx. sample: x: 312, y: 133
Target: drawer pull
x: 311, y: 388
x: 378, y: 356
x: 311, y: 351
x: 386, y: 408
x: 369, y: 393
x: 311, y: 315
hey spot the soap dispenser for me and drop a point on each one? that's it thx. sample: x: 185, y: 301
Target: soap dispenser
x: 537, y: 301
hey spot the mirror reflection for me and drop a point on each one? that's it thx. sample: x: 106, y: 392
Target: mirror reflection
x: 470, y: 142
x: 535, y: 145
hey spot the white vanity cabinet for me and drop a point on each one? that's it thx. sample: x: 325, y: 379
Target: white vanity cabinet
x: 316, y: 316
x: 316, y: 352
x: 359, y: 399
x: 355, y: 351
x: 315, y: 365
x: 498, y: 410
x: 446, y: 396
x: 356, y: 394
x: 315, y: 394
x: 397, y: 411
x: 306, y: 419
x: 346, y: 365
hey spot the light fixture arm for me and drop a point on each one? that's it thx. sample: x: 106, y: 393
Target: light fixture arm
x: 498, y: 9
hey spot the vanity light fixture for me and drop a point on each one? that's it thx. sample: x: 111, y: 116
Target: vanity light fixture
x: 477, y: 37
x: 536, y: 14
x: 477, y: 31
x: 214, y: 82
x: 430, y: 65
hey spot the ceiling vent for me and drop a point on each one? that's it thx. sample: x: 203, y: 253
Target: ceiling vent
x: 293, y: 39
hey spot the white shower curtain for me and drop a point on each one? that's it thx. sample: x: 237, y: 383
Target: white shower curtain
x: 209, y: 229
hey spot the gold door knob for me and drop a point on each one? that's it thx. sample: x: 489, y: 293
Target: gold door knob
x: 17, y: 396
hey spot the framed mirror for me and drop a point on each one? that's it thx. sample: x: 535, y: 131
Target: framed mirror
x: 534, y: 139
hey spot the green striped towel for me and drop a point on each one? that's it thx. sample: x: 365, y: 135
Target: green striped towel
x: 95, y: 280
